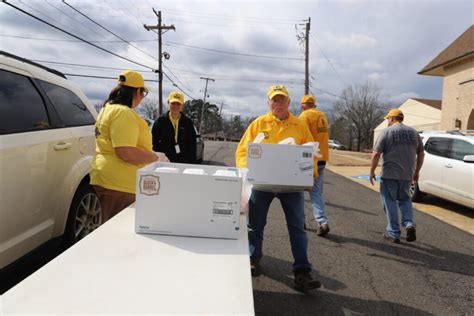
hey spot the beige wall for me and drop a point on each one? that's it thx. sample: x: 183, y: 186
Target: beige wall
x: 418, y: 115
x: 458, y: 94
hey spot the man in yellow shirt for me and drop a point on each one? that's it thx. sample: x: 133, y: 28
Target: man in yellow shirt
x: 318, y: 126
x: 277, y: 125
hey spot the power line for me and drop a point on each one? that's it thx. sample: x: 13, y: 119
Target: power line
x: 100, y: 77
x: 294, y: 81
x: 327, y: 59
x: 81, y: 24
x: 169, y: 43
x: 198, y: 14
x: 226, y: 25
x: 106, y: 29
x: 69, y: 40
x: 178, y: 87
x: 176, y: 77
x: 232, y: 53
x: 81, y: 65
x: 75, y: 36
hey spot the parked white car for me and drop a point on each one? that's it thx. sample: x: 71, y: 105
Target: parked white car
x: 335, y: 144
x: 46, y: 145
x: 448, y: 168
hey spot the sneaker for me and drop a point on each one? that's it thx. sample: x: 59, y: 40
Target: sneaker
x: 411, y: 233
x: 391, y: 239
x: 304, y: 281
x: 322, y: 230
x: 255, y: 268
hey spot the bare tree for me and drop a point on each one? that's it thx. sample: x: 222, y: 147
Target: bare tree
x: 359, y: 110
x: 148, y: 109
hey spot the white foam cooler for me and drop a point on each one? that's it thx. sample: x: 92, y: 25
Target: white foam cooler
x: 188, y: 200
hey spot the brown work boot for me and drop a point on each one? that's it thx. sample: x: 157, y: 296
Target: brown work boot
x: 411, y: 233
x: 255, y: 268
x: 322, y: 230
x: 304, y: 281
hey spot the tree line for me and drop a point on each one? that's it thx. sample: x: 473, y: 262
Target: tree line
x: 355, y: 114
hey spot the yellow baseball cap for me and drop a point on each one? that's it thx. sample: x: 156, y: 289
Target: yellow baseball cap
x: 132, y: 79
x: 394, y: 112
x: 176, y: 96
x: 308, y: 99
x: 275, y: 90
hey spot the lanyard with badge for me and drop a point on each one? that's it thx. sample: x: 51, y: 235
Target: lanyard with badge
x: 175, y: 124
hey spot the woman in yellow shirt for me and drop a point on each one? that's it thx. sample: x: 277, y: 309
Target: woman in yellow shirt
x: 123, y: 145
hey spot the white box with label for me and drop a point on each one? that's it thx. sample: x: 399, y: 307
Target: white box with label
x: 188, y: 200
x: 280, y: 167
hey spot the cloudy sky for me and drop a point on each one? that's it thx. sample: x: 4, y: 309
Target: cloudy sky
x: 245, y: 46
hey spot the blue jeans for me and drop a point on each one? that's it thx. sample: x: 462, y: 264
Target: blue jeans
x: 293, y: 207
x: 317, y: 200
x: 394, y: 194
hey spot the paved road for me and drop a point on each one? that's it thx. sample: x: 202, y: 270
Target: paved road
x: 360, y: 273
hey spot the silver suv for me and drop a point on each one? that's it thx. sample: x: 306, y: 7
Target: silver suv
x: 46, y: 146
x: 448, y: 168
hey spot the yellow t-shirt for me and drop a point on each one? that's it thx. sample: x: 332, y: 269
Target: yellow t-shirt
x: 274, y: 131
x: 118, y: 126
x: 318, y: 126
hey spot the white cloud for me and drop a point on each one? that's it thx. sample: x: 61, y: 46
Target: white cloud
x: 402, y: 97
x: 372, y: 66
x: 352, y: 41
x: 382, y: 41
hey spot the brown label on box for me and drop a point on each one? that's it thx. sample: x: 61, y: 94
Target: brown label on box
x: 255, y: 151
x: 149, y: 184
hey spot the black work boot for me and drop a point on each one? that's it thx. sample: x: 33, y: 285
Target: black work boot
x: 322, y: 230
x: 411, y: 234
x: 255, y: 268
x: 304, y: 281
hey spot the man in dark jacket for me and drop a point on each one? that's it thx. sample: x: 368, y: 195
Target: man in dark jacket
x: 174, y: 133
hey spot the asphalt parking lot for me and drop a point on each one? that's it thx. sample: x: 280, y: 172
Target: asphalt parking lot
x: 361, y: 274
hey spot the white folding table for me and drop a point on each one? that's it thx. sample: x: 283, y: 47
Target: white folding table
x: 115, y: 270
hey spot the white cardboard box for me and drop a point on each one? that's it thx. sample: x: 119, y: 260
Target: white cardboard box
x: 186, y: 202
x: 279, y: 167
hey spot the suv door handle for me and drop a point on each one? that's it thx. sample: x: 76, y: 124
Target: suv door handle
x: 448, y: 165
x: 62, y: 146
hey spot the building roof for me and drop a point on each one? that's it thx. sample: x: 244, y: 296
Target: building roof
x: 433, y: 103
x: 462, y: 47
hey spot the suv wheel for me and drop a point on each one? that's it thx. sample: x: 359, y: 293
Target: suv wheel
x: 415, y: 193
x: 85, y: 215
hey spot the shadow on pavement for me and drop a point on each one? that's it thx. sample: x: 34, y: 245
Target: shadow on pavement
x: 319, y: 302
x: 416, y: 254
x: 281, y: 271
x: 325, y: 303
x: 447, y: 205
x: 350, y: 209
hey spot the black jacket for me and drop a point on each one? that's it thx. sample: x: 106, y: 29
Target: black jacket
x: 164, y: 138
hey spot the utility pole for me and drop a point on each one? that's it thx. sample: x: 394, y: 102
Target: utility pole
x: 204, y: 103
x: 220, y: 112
x: 306, y: 59
x: 159, y: 28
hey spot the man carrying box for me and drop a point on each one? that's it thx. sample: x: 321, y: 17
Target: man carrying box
x: 277, y: 125
x: 318, y: 126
